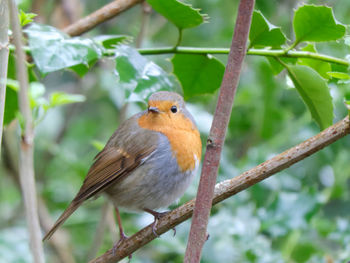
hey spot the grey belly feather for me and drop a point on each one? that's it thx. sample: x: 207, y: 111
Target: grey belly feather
x: 157, y: 183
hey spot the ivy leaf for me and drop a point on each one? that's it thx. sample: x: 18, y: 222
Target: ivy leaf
x: 316, y: 23
x: 314, y: 92
x: 180, y: 14
x: 53, y: 50
x: 263, y: 33
x: 139, y: 76
x: 320, y: 66
x: 198, y: 74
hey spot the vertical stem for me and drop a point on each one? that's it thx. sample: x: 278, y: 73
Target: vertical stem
x: 4, y: 53
x: 217, y: 134
x: 146, y: 11
x: 26, y: 167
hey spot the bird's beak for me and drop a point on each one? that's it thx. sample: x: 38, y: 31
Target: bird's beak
x: 153, y: 109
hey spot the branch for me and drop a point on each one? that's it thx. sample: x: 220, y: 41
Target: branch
x: 26, y: 167
x: 101, y: 15
x: 252, y: 51
x: 231, y: 187
x: 217, y: 134
x: 4, y: 54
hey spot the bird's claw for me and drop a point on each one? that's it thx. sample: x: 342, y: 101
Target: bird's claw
x: 116, y: 245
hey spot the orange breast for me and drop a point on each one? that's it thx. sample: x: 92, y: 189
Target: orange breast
x: 184, y: 138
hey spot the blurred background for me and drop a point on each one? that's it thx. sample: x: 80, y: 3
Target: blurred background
x: 298, y: 215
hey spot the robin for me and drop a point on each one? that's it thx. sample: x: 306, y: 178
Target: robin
x: 148, y: 162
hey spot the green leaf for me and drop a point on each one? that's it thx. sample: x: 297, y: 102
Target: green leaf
x: 11, y: 105
x: 316, y: 23
x: 53, y: 50
x: 26, y: 18
x: 198, y: 74
x: 347, y: 105
x: 303, y: 251
x: 61, y: 98
x: 138, y: 76
x: 98, y: 145
x: 180, y: 14
x: 110, y: 41
x: 338, y: 75
x: 276, y: 66
x: 320, y: 66
x: 314, y: 92
x: 263, y: 33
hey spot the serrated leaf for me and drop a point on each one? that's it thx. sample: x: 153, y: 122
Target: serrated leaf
x: 320, y: 66
x: 53, y: 50
x: 316, y: 23
x: 314, y: 92
x: 263, y: 33
x: 180, y: 14
x: 139, y: 76
x: 110, y: 41
x: 198, y: 74
x: 338, y: 75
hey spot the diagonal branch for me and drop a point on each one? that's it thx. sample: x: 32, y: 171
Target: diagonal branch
x: 215, y: 141
x: 231, y: 187
x: 26, y: 162
x: 99, y: 16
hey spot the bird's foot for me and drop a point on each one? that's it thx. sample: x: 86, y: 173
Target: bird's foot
x: 116, y: 245
x: 157, y: 216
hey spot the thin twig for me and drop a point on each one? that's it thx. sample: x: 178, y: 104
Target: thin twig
x: 99, y: 16
x: 100, y: 230
x: 4, y: 54
x: 146, y: 11
x: 26, y: 166
x: 231, y: 187
x: 60, y: 241
x: 215, y: 141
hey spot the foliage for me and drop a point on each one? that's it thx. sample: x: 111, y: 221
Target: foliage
x: 299, y: 215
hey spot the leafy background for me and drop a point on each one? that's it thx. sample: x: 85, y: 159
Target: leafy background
x: 298, y: 215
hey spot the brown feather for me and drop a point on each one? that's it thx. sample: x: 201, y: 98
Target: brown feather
x: 110, y: 166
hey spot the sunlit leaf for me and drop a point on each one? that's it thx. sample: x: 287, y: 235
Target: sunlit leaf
x: 338, y: 75
x: 61, y: 98
x: 180, y: 14
x: 314, y: 92
x: 26, y: 18
x: 110, y: 41
x: 316, y: 23
x: 198, y: 74
x: 53, y: 50
x: 139, y: 76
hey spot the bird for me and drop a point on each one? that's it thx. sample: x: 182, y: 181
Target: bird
x: 147, y: 164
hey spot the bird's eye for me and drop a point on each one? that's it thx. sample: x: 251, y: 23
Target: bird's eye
x: 173, y: 109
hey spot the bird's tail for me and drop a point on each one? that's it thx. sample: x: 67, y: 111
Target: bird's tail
x: 70, y: 209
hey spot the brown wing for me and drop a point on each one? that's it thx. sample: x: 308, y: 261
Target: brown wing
x: 111, y: 165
